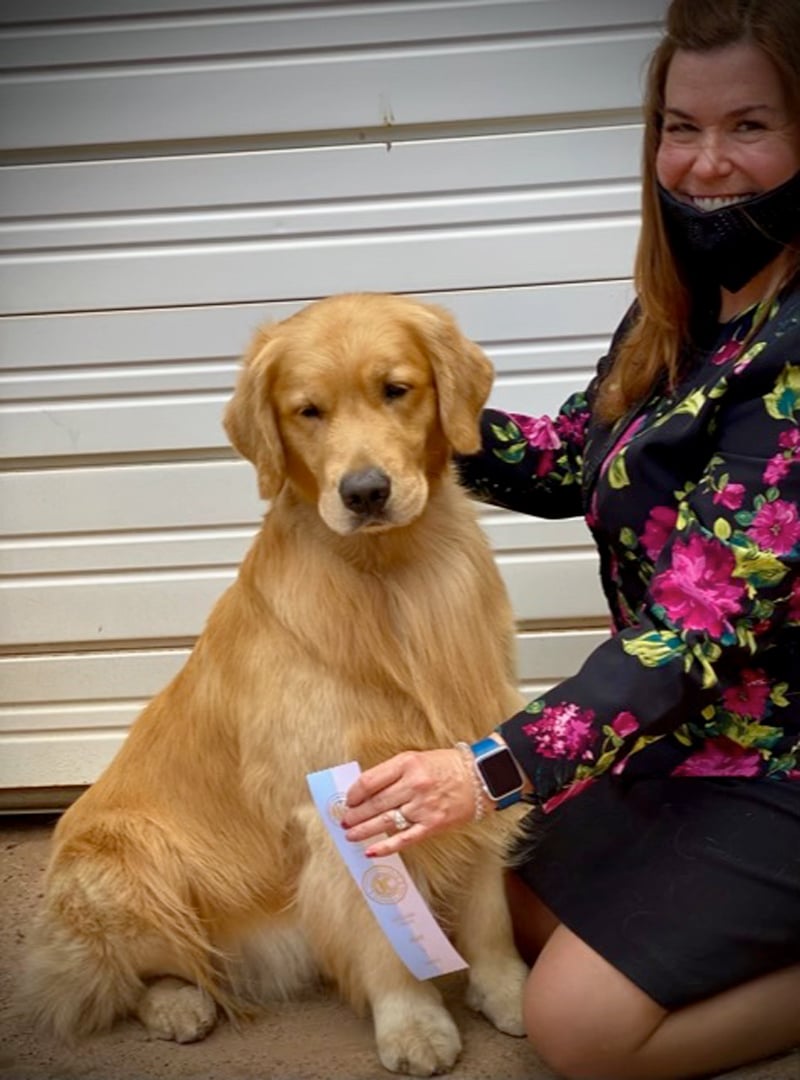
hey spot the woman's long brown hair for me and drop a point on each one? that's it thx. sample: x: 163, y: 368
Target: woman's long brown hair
x: 651, y: 351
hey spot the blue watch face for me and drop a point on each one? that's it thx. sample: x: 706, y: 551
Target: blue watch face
x: 500, y: 773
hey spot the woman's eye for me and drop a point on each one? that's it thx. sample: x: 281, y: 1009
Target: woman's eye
x: 394, y: 390
x: 309, y: 411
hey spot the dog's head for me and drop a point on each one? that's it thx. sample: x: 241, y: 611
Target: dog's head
x: 358, y: 401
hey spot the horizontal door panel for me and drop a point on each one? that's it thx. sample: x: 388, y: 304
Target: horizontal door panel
x: 557, y: 588
x: 66, y: 685
x: 191, y: 422
x: 460, y: 209
x: 69, y: 741
x: 124, y: 551
x: 83, y: 678
x: 44, y: 760
x: 224, y: 546
x: 132, y: 497
x: 543, y: 315
x: 75, y: 201
x: 108, y: 608
x: 296, y: 28
x: 94, y: 608
x: 165, y: 423
x: 180, y: 549
x: 553, y: 656
x: 95, y: 683
x: 110, y: 500
x: 259, y: 271
x: 56, y: 384
x: 384, y: 88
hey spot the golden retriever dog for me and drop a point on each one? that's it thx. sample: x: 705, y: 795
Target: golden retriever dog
x: 368, y: 617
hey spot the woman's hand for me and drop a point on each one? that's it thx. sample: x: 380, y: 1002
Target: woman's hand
x: 433, y: 790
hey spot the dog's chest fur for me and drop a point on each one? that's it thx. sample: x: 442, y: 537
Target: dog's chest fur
x: 380, y: 624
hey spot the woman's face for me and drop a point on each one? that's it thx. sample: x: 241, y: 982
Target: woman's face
x: 727, y: 134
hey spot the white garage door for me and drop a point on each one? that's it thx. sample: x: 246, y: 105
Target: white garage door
x: 174, y: 173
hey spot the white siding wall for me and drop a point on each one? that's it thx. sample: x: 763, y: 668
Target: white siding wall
x: 172, y: 177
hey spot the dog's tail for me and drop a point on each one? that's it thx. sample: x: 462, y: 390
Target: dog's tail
x: 115, y: 911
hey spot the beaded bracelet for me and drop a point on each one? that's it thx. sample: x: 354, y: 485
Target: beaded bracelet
x: 469, y: 760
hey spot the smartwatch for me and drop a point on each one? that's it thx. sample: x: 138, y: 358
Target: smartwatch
x: 499, y: 774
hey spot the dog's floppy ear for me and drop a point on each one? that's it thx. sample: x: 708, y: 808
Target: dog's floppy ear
x: 249, y: 418
x: 463, y: 375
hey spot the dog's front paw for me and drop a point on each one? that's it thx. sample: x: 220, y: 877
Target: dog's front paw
x: 496, y: 989
x: 415, y: 1035
x: 176, y: 1010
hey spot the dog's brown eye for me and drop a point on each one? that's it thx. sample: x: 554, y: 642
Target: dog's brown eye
x: 310, y: 411
x: 394, y: 390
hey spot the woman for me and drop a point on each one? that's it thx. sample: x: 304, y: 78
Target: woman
x: 659, y: 889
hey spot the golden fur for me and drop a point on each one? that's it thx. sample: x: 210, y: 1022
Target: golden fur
x: 195, y: 871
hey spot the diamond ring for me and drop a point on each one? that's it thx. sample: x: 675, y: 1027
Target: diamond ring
x: 398, y: 819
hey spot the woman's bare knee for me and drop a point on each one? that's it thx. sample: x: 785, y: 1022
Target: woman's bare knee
x: 584, y: 1019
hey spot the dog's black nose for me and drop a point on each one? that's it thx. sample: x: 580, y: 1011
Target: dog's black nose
x: 365, y: 492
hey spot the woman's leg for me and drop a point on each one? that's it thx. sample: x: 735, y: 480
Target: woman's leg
x: 589, y: 1022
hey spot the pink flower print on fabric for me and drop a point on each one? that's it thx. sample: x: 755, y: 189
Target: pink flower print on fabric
x: 790, y: 440
x: 572, y: 428
x: 591, y: 514
x: 793, y: 615
x: 728, y: 351
x: 563, y: 730
x: 776, y: 527
x: 776, y: 469
x: 568, y: 793
x: 624, y: 723
x: 721, y: 757
x: 750, y: 697
x: 657, y: 529
x: 626, y: 436
x: 731, y: 496
x: 699, y: 591
x: 779, y: 465
x: 540, y: 433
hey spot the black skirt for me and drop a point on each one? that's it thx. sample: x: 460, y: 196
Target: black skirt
x: 687, y: 886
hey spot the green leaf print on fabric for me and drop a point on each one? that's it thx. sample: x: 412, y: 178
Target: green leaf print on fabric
x: 617, y: 473
x: 758, y: 567
x: 512, y: 442
x: 655, y: 648
x: 784, y: 401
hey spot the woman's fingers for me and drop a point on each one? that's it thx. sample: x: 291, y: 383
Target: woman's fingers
x: 431, y: 789
x: 371, y: 787
x: 380, y: 824
x: 391, y: 845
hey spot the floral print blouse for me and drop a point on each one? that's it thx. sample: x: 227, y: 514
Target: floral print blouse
x: 693, y: 504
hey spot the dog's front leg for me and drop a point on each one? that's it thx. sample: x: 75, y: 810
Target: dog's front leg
x: 485, y: 939
x: 414, y: 1032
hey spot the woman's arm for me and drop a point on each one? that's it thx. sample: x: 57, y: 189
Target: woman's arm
x: 725, y: 584
x: 535, y: 464
x: 530, y: 464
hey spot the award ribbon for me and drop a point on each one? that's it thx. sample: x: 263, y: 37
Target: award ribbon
x: 385, y: 884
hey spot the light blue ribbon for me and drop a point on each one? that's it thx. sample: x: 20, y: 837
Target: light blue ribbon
x: 386, y: 885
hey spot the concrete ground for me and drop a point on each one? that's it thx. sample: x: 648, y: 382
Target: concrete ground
x: 317, y: 1039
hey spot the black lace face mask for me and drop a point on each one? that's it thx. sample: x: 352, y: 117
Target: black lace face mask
x: 731, y: 245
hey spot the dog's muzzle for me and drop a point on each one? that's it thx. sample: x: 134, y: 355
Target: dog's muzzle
x: 366, y: 493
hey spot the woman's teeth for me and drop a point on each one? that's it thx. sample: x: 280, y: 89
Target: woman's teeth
x: 716, y: 202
